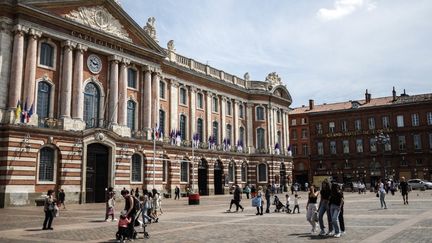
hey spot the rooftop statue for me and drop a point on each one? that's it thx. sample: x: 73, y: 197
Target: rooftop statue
x: 150, y: 28
x: 246, y: 76
x: 171, y: 46
x: 274, y: 79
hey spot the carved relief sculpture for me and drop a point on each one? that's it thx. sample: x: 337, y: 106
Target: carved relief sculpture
x: 274, y: 79
x: 99, y: 18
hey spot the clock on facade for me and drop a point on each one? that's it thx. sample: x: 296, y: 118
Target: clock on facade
x: 94, y: 63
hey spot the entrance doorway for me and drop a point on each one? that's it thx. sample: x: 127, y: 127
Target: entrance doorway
x: 202, y: 177
x: 97, y: 173
x: 218, y: 178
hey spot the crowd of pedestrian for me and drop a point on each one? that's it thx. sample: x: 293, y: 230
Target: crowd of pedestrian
x: 325, y: 203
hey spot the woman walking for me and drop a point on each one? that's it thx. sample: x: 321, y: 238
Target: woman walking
x: 336, y: 202
x: 260, y: 201
x: 324, y: 208
x: 312, y: 208
x: 49, y: 208
x: 156, y: 204
x: 110, y: 204
x: 382, y: 194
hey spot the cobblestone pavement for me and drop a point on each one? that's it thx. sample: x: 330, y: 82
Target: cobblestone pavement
x: 209, y: 222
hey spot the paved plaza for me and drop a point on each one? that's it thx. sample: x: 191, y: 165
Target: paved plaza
x: 209, y: 222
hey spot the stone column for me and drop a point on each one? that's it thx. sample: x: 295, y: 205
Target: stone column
x: 192, y: 107
x: 30, y: 73
x: 283, y: 145
x: 122, y: 102
x: 114, y: 91
x: 223, y: 117
x: 209, y: 97
x: 78, y: 91
x: 66, y: 86
x: 147, y: 99
x: 155, y: 95
x: 16, y: 70
x: 269, y: 122
x: 250, y: 132
x: 236, y: 126
x: 173, y: 104
x: 287, y: 132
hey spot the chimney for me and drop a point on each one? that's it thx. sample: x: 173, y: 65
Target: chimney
x: 404, y: 93
x: 394, y: 94
x: 367, y: 96
x: 311, y: 104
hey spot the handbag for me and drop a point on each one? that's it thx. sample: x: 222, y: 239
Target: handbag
x: 315, y: 216
x: 377, y: 194
x: 256, y: 202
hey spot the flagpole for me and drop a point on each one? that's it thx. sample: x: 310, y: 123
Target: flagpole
x: 193, y: 166
x: 154, y: 156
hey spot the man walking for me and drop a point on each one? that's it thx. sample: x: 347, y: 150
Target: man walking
x: 267, y: 196
x: 404, y: 190
x: 177, y: 193
x: 236, y: 200
x: 130, y: 211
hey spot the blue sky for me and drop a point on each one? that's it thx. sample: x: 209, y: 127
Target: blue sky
x: 326, y: 50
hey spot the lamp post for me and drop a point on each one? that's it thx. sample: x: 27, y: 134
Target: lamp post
x: 383, y: 139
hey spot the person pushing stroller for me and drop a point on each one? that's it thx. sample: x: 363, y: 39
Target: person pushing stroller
x: 279, y: 205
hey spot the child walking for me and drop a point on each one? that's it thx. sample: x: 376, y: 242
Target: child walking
x: 296, y: 203
x: 123, y: 223
x: 288, y: 199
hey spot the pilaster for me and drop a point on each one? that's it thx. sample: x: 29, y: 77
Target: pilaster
x: 113, y: 94
x: 147, y: 98
x: 192, y: 108
x: 223, y: 103
x: 250, y: 119
x: 174, y: 104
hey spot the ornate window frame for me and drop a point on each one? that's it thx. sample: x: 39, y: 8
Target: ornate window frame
x: 54, y: 46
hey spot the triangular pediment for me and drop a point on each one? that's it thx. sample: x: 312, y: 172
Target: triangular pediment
x: 103, y: 16
x: 99, y: 18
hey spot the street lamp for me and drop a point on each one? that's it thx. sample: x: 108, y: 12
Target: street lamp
x: 383, y: 139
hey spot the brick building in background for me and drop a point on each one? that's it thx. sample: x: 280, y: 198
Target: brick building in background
x: 386, y: 137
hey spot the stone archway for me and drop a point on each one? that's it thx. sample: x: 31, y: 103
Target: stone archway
x: 203, y: 177
x: 218, y: 178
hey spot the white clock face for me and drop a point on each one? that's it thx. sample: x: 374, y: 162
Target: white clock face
x: 94, y: 63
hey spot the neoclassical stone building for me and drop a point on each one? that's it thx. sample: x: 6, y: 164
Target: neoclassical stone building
x: 82, y: 88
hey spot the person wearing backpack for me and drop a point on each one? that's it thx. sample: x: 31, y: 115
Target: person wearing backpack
x: 131, y: 210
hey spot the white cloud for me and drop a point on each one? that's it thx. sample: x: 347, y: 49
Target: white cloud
x: 343, y: 8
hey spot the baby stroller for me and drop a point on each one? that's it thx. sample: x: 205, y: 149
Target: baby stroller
x: 121, y: 234
x: 278, y: 203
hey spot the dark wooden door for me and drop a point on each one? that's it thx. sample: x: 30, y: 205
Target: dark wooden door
x: 97, y: 173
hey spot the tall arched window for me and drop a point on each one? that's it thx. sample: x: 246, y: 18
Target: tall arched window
x: 183, y: 96
x: 262, y: 172
x: 46, y: 55
x: 278, y: 137
x: 244, y: 172
x: 241, y: 138
x: 241, y: 115
x: 43, y: 102
x: 260, y: 138
x: 228, y: 108
x: 215, y: 104
x: 260, y: 113
x: 184, y: 171
x: 131, y: 114
x: 91, y: 105
x: 216, y: 132
x: 228, y: 131
x: 162, y: 122
x: 278, y: 116
x: 200, y: 129
x: 231, y: 171
x: 46, y: 164
x: 136, y: 168
x: 183, y: 127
